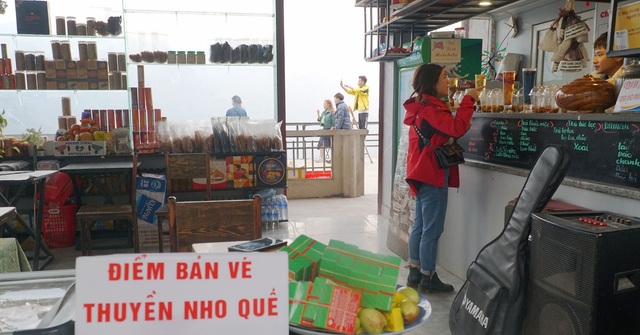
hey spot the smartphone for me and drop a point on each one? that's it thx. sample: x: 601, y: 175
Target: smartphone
x: 262, y: 244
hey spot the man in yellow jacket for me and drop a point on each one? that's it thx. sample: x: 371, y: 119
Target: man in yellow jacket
x: 361, y: 101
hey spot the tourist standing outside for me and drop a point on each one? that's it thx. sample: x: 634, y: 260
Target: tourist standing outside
x: 327, y: 120
x: 361, y: 101
x: 342, y: 113
x: 237, y: 109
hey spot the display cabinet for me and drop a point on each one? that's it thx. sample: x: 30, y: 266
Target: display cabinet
x: 49, y: 61
x: 198, y: 88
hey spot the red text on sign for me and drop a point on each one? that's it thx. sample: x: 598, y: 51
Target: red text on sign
x: 196, y: 270
x: 128, y: 311
x: 205, y: 309
x: 136, y: 271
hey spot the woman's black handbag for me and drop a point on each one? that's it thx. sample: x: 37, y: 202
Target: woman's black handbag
x: 447, y: 155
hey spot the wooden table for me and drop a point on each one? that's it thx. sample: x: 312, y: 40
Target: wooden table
x: 21, y: 179
x: 92, y: 170
x: 95, y: 173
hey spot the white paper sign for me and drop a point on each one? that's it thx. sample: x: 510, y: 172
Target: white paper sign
x: 629, y: 97
x: 182, y: 293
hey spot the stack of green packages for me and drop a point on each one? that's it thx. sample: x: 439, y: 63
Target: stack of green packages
x: 323, y: 305
x: 373, y: 275
x: 305, y: 254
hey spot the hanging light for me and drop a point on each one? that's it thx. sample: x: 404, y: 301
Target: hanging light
x: 485, y: 3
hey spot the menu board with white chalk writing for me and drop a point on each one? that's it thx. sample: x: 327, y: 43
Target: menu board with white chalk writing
x: 604, y: 148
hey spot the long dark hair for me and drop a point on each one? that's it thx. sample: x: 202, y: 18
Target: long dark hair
x: 425, y: 80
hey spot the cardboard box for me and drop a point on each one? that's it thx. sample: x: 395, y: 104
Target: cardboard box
x: 80, y: 148
x: 150, y: 195
x: 51, y: 164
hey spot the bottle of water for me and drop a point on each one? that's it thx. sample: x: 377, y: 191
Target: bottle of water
x: 285, y: 208
x: 273, y: 216
x: 279, y: 206
x: 263, y: 216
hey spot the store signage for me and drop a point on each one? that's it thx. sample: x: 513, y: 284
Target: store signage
x: 446, y: 50
x: 627, y: 32
x: 182, y: 293
x: 629, y: 97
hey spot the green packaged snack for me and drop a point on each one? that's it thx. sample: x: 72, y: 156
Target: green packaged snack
x: 372, y: 275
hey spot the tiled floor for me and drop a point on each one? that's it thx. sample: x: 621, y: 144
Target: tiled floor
x: 352, y: 220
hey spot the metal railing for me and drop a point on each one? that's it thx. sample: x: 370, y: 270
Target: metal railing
x: 298, y: 146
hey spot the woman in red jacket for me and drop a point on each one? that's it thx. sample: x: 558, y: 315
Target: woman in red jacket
x: 428, y: 182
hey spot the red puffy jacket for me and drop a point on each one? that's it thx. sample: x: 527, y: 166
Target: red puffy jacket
x: 422, y: 165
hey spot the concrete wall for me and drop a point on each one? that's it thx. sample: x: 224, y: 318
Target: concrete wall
x: 347, y: 167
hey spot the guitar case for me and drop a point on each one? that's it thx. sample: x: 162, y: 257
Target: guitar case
x: 492, y: 299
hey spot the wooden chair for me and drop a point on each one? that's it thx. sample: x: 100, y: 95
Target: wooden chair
x: 186, y: 167
x: 183, y: 168
x: 212, y: 221
x: 88, y: 215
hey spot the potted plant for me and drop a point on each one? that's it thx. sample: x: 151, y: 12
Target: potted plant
x: 34, y: 139
x: 5, y: 143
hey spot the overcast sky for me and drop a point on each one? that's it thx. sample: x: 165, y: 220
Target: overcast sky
x: 324, y: 43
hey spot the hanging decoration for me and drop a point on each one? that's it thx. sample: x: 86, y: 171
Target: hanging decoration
x: 566, y: 38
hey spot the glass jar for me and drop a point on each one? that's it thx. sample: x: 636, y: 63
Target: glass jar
x: 536, y: 99
x: 92, y: 50
x: 191, y: 57
x: 200, y: 57
x: 171, y: 57
x: 485, y: 106
x: 457, y: 98
x: 629, y: 71
x: 61, y: 25
x: 91, y: 26
x: 497, y: 100
x: 517, y: 105
x: 66, y: 50
x: 20, y: 65
x: 549, y: 99
x: 71, y: 25
x: 181, y: 57
x: 81, y: 29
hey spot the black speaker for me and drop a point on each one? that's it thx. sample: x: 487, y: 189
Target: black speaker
x: 584, y: 274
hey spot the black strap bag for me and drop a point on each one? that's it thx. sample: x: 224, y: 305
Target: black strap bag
x: 447, y: 155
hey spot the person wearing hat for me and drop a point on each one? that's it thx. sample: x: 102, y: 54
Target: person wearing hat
x: 237, y: 109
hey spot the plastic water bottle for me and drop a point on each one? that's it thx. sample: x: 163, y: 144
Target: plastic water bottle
x: 264, y: 216
x: 285, y: 208
x: 273, y: 216
x: 278, y: 206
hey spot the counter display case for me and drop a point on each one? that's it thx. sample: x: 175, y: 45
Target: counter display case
x: 201, y: 85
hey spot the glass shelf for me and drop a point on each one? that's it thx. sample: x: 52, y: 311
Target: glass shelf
x: 270, y: 64
x: 62, y: 91
x: 195, y: 12
x: 64, y: 37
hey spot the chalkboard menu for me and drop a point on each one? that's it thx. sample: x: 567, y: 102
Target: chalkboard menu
x: 605, y: 148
